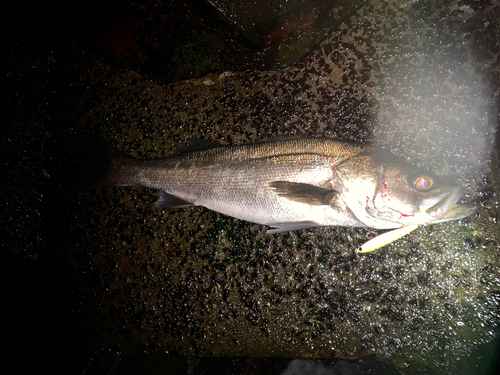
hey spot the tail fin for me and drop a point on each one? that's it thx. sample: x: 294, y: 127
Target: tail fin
x: 98, y: 163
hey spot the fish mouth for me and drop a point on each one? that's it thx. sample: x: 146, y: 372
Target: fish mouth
x: 444, y: 207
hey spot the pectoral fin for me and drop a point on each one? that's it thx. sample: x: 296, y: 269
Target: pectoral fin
x: 303, y: 193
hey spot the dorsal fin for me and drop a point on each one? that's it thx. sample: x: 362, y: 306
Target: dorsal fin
x: 195, y: 144
x: 278, y: 138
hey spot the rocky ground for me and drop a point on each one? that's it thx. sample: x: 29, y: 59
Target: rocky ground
x: 100, y: 277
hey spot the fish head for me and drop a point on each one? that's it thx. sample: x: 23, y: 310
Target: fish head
x: 384, y: 192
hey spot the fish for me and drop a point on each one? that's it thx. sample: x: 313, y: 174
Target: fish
x: 290, y: 184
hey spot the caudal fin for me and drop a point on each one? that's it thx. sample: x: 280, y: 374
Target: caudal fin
x: 98, y: 163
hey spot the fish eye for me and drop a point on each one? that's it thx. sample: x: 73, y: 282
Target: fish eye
x: 422, y: 182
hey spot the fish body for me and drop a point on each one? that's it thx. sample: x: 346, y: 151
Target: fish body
x: 295, y: 183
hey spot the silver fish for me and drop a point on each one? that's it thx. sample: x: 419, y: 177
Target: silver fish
x: 295, y: 183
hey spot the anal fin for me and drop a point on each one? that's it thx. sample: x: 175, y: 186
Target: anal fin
x: 169, y: 200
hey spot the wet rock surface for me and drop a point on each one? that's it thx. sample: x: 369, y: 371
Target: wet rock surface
x: 123, y: 277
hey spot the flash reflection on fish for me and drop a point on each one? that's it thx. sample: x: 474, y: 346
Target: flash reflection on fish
x: 288, y: 184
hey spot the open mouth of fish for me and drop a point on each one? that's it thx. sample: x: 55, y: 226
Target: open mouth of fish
x: 444, y: 207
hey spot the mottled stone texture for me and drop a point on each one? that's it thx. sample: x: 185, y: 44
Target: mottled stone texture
x: 420, y: 77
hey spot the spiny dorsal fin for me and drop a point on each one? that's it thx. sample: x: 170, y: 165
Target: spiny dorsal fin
x: 277, y: 139
x: 303, y: 193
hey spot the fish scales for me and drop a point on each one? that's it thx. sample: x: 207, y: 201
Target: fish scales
x: 235, y: 180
